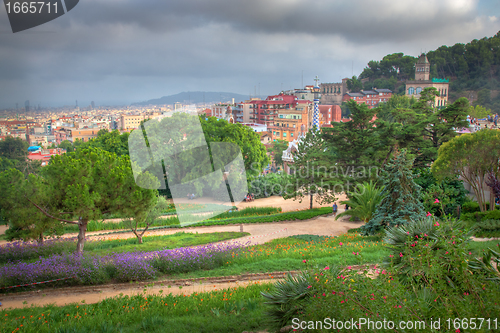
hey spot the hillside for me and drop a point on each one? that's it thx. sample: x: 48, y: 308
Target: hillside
x: 473, y: 70
x: 194, y: 97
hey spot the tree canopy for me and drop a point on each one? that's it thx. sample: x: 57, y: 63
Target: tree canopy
x: 473, y: 156
x: 311, y: 174
x: 81, y: 186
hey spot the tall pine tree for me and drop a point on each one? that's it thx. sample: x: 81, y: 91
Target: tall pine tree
x: 311, y: 175
x: 401, y: 204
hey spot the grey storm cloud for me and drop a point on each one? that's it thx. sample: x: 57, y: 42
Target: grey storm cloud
x: 356, y: 20
x: 136, y: 50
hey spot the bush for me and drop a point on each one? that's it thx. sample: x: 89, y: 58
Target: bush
x: 429, y: 277
x: 473, y: 206
x: 489, y: 225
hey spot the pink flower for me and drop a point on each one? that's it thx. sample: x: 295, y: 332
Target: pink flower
x: 304, y: 261
x: 400, y: 254
x: 436, y: 224
x: 340, y: 244
x: 324, y: 294
x: 436, y: 201
x: 348, y: 267
x: 428, y: 214
x: 309, y: 287
x: 327, y: 267
x: 446, y: 252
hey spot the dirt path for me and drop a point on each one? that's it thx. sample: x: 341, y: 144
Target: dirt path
x: 259, y: 233
x: 322, y: 225
x: 96, y: 294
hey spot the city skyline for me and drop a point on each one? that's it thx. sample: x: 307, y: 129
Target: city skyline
x: 117, y: 53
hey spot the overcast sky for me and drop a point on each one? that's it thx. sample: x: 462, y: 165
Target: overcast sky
x: 124, y: 51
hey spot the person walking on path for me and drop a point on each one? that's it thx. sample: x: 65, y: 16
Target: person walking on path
x: 495, y: 120
x: 334, y: 208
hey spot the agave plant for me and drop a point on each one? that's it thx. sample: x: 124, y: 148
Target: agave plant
x: 363, y: 201
x: 285, y: 301
x: 489, y: 264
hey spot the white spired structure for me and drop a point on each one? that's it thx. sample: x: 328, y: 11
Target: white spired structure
x: 316, y: 104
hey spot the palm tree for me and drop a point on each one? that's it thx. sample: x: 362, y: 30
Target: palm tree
x: 363, y: 201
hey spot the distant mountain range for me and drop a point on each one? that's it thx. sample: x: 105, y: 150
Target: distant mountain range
x: 194, y: 97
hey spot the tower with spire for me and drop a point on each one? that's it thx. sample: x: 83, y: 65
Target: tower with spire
x: 316, y: 104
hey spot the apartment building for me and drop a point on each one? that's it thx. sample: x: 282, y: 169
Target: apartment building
x: 369, y: 97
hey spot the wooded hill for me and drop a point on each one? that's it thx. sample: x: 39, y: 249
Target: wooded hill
x: 473, y: 70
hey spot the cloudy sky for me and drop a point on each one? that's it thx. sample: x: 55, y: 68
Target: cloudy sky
x: 124, y: 51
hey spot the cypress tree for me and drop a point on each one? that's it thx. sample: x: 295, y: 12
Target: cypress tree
x: 401, y: 204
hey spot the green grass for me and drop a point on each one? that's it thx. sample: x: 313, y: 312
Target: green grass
x: 477, y: 247
x: 154, y: 243
x: 230, y: 310
x: 287, y: 254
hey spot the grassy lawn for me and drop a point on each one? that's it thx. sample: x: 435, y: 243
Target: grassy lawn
x: 230, y: 310
x: 285, y: 254
x: 154, y: 243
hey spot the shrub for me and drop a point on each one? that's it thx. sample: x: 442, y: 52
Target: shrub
x: 489, y: 225
x: 430, y: 277
x: 287, y: 299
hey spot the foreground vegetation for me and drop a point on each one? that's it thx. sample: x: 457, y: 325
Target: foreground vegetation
x: 229, y: 310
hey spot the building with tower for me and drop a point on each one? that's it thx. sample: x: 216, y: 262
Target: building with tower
x: 332, y: 93
x: 422, y: 81
x: 316, y: 104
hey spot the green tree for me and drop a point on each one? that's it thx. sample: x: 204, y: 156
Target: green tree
x: 25, y: 220
x: 67, y: 145
x: 89, y: 183
x: 354, y: 85
x: 363, y: 201
x: 401, y: 203
x: 253, y: 151
x: 422, y: 128
x: 14, y: 149
x: 6, y: 164
x: 479, y: 111
x: 149, y: 217
x: 277, y: 149
x: 356, y: 148
x: 473, y: 157
x: 311, y: 175
x: 114, y: 142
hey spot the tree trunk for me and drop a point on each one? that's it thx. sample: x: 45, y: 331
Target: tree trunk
x: 311, y: 202
x: 82, y: 229
x: 139, y: 239
x: 492, y: 199
x: 40, y: 239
